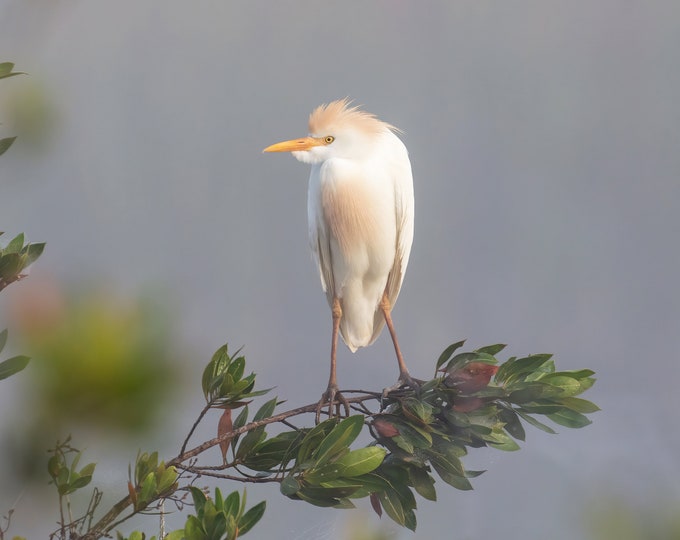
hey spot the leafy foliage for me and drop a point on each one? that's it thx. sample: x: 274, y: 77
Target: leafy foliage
x: 418, y: 437
x: 15, y: 257
x: 11, y: 365
x: 6, y: 71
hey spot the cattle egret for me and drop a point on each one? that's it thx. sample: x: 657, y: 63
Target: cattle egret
x: 360, y: 215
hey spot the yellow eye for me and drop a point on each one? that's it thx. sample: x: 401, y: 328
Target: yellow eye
x: 328, y: 139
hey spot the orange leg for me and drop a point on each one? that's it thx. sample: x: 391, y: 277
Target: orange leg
x: 332, y: 393
x: 405, y: 378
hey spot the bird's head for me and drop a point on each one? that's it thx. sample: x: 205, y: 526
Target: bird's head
x: 336, y: 130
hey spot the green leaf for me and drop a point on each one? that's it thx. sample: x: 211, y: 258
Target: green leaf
x: 266, y: 410
x: 422, y: 482
x: 493, y: 350
x: 339, y: 438
x: 199, y: 499
x: 32, y: 252
x: 167, y: 479
x: 251, y: 517
x: 290, y: 486
x: 16, y: 244
x: 79, y: 482
x: 512, y: 424
x: 530, y: 392
x: 6, y: 70
x: 389, y: 499
x: 313, y: 438
x: 448, y: 352
x: 232, y: 503
x: 3, y: 339
x: 193, y: 529
x: 148, y: 489
x: 10, y: 265
x: 501, y: 441
x: 579, y: 405
x: 417, y: 410
x: 570, y: 419
x: 515, y: 367
x: 215, y: 369
x: 237, y: 367
x: 13, y: 365
x: 361, y: 461
x: 6, y: 143
x: 450, y: 470
x: 568, y: 385
x: 531, y: 420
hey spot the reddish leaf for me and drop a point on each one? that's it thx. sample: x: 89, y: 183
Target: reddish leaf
x: 471, y: 377
x: 385, y: 428
x: 375, y: 503
x: 224, y: 426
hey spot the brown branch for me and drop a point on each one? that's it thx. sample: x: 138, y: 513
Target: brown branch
x: 107, y: 521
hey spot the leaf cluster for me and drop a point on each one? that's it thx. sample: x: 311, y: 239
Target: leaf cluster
x: 15, y: 257
x: 153, y: 480
x: 11, y: 365
x: 6, y: 71
x: 219, y: 518
x: 419, y: 436
x: 66, y: 476
x: 223, y: 382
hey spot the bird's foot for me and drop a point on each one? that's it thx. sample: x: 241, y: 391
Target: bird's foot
x: 405, y: 381
x: 332, y: 397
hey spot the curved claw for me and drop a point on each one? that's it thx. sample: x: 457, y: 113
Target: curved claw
x: 405, y: 381
x: 332, y: 396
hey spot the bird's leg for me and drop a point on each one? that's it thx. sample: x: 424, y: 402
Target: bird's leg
x: 405, y: 378
x: 332, y: 393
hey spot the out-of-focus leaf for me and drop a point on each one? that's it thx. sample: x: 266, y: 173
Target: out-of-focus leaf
x: 6, y: 70
x: 16, y: 244
x: 32, y: 252
x: 13, y: 365
x: 3, y: 339
x: 5, y: 144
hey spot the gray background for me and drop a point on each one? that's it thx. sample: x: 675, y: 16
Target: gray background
x: 544, y: 138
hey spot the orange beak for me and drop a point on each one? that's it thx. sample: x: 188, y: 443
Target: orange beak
x: 294, y: 145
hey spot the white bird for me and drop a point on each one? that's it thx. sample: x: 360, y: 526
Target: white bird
x: 360, y: 212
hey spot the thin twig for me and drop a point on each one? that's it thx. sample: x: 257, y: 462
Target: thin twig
x: 193, y: 428
x: 108, y: 521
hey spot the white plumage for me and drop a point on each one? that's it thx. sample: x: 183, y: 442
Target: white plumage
x: 360, y: 214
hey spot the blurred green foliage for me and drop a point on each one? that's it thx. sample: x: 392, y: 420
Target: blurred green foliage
x: 612, y: 518
x: 100, y: 361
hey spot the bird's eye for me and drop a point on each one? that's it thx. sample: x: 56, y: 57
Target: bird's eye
x: 328, y: 139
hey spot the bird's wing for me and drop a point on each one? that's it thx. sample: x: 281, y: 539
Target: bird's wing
x: 404, y: 213
x: 319, y: 236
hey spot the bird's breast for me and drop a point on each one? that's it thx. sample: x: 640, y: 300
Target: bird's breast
x: 359, y: 211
